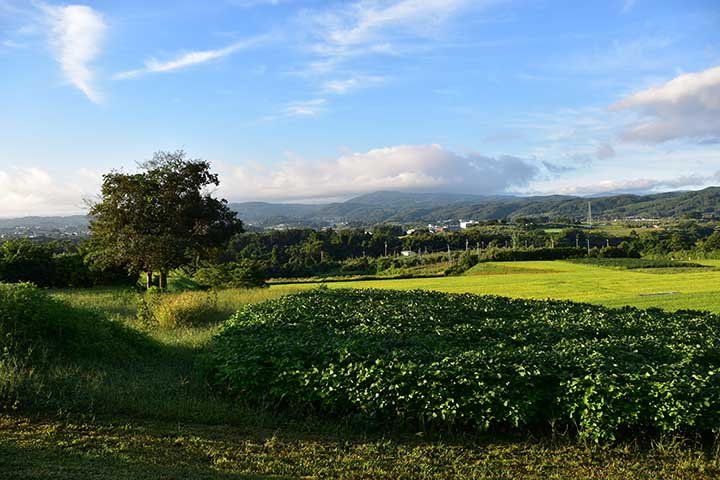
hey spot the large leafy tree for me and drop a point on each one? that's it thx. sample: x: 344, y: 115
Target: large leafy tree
x: 162, y: 217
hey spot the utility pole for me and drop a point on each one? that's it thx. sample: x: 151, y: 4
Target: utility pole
x: 449, y: 254
x: 588, y: 245
x: 577, y: 241
x: 386, y: 248
x: 589, y: 216
x: 467, y: 244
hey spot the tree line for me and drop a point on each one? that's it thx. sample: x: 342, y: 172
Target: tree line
x: 165, y: 217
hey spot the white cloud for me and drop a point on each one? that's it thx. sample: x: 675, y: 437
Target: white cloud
x: 305, y: 108
x: 628, y: 5
x: 687, y: 106
x: 404, y: 167
x: 368, y: 20
x: 346, y: 85
x: 642, y: 185
x: 76, y: 34
x: 12, y: 45
x: 188, y: 59
x: 370, y: 27
x: 35, y: 191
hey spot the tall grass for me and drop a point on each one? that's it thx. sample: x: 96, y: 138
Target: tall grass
x: 90, y: 367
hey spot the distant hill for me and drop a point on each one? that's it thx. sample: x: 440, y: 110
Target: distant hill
x: 401, y: 207
x: 409, y: 208
x: 77, y: 221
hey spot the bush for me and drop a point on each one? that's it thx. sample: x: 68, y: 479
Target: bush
x: 424, y: 357
x: 245, y: 274
x: 465, y: 262
x: 509, y: 255
x: 172, y: 310
x: 634, y: 263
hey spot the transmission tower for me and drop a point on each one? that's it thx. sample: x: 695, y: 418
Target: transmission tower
x: 589, y: 217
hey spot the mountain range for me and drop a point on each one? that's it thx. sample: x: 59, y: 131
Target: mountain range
x: 406, y: 208
x: 419, y: 208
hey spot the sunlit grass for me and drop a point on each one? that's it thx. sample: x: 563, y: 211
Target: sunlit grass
x: 699, y: 290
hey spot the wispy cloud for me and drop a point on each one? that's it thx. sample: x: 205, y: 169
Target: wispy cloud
x: 305, y: 108
x: 189, y: 59
x: 341, y: 86
x: 76, y: 35
x: 12, y: 45
x: 628, y: 5
x: 255, y: 3
x: 371, y: 27
x: 368, y: 21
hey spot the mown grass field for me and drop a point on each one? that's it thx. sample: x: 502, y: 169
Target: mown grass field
x: 155, y: 417
x: 697, y: 289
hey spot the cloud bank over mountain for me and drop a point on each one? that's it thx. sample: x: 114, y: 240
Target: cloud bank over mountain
x: 399, y: 168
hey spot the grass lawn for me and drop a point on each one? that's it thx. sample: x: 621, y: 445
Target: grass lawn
x: 690, y: 289
x: 128, y: 448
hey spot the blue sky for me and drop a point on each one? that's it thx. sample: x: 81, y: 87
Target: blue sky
x: 314, y: 100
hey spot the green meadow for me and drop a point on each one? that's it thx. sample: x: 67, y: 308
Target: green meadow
x: 154, y: 415
x: 667, y: 288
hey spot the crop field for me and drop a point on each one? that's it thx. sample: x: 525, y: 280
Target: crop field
x: 128, y: 393
x: 670, y: 289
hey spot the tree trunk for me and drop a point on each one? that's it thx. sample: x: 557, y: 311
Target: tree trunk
x: 163, y: 280
x: 149, y: 279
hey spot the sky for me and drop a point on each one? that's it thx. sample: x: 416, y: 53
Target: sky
x: 317, y: 101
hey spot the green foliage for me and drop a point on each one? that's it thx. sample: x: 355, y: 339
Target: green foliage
x: 31, y: 320
x: 160, y: 218
x: 634, y: 263
x: 483, y: 362
x: 507, y: 255
x: 51, y: 264
x: 464, y: 262
x: 174, y: 310
x: 39, y: 333
x: 245, y: 274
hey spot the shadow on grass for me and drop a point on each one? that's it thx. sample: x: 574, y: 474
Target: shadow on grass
x: 57, y: 463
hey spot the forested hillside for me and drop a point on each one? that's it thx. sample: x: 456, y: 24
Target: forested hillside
x: 380, y: 207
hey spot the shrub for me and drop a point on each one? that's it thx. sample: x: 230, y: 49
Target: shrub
x: 424, y: 357
x: 172, y: 310
x: 507, y: 255
x: 245, y: 274
x: 464, y: 262
x: 634, y: 263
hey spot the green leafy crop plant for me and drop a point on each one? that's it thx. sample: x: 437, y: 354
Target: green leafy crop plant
x: 427, y: 359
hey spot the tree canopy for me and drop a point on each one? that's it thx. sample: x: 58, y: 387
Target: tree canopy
x: 161, y: 217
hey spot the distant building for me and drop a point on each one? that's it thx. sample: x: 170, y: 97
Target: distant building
x: 467, y: 223
x: 408, y: 253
